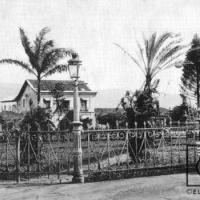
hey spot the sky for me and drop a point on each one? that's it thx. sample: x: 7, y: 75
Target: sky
x: 91, y: 28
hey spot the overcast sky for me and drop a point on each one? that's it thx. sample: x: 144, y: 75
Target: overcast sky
x: 91, y: 27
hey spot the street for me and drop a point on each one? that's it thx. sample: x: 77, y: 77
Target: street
x: 148, y: 188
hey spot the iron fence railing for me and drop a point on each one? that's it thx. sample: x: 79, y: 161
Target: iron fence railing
x: 32, y: 154
x: 139, y: 148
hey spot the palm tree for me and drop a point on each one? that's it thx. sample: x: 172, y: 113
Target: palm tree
x: 43, y: 57
x: 156, y: 54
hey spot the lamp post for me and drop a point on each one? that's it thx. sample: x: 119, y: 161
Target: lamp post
x: 73, y: 67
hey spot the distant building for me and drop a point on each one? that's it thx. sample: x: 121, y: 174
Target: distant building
x: 9, y: 105
x: 28, y: 96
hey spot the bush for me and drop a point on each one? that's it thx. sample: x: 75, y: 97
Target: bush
x: 34, y: 121
x: 179, y: 113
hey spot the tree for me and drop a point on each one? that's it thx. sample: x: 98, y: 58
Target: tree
x: 43, y: 57
x: 156, y: 54
x: 179, y: 113
x: 190, y: 80
x: 139, y: 106
x: 38, y: 119
x: 58, y: 92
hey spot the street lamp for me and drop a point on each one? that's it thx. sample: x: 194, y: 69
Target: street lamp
x: 73, y: 67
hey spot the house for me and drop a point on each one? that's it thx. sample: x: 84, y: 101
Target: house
x: 8, y: 105
x: 27, y: 98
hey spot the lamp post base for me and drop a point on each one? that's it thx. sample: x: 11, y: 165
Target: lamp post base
x: 78, y: 169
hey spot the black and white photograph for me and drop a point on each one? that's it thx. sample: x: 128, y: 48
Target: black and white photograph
x: 100, y: 100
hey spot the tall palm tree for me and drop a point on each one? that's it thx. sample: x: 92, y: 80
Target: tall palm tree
x: 156, y: 54
x: 43, y: 57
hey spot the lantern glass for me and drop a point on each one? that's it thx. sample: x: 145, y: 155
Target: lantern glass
x: 73, y: 66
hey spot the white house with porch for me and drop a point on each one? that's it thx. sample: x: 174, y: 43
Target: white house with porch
x: 27, y: 98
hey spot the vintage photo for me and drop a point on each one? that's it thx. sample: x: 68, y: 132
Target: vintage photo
x: 99, y: 99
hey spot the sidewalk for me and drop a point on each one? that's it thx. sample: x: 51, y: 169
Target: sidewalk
x: 149, y: 188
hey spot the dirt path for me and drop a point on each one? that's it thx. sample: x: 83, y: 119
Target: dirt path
x: 148, y: 188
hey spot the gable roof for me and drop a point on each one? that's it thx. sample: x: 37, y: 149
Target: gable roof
x: 48, y: 85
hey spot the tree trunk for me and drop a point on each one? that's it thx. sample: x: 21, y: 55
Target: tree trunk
x: 38, y: 91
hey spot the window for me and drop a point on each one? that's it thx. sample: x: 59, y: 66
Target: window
x: 24, y: 102
x: 47, y: 103
x: 5, y: 107
x: 14, y: 108
x: 83, y: 105
x: 65, y: 105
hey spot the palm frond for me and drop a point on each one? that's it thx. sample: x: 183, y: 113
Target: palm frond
x: 27, y: 46
x: 43, y: 32
x: 47, y: 46
x: 159, y: 53
x: 151, y: 46
x: 160, y: 42
x: 19, y: 63
x: 130, y: 56
x: 57, y: 68
x: 171, y: 61
x: 165, y: 49
x: 39, y: 44
x: 167, y: 55
x: 141, y: 54
x: 51, y: 58
x: 41, y: 37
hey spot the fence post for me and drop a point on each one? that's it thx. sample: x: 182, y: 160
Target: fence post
x: 117, y: 124
x: 38, y: 151
x: 154, y: 147
x: 145, y: 145
x: 49, y: 154
x: 145, y: 124
x: 171, y: 142
x: 58, y: 144
x: 7, y: 152
x: 107, y: 126
x: 127, y: 150
x: 135, y: 124
x: 18, y: 156
x: 165, y: 122
x: 88, y: 143
x: 108, y: 149
x: 153, y: 124
x: 170, y: 122
x: 28, y: 152
x: 179, y: 143
x: 194, y: 138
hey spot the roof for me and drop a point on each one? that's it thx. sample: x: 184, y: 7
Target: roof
x: 8, y: 100
x: 48, y: 85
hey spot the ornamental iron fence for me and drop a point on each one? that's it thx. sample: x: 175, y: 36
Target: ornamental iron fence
x: 140, y: 148
x: 28, y: 154
x: 25, y: 155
